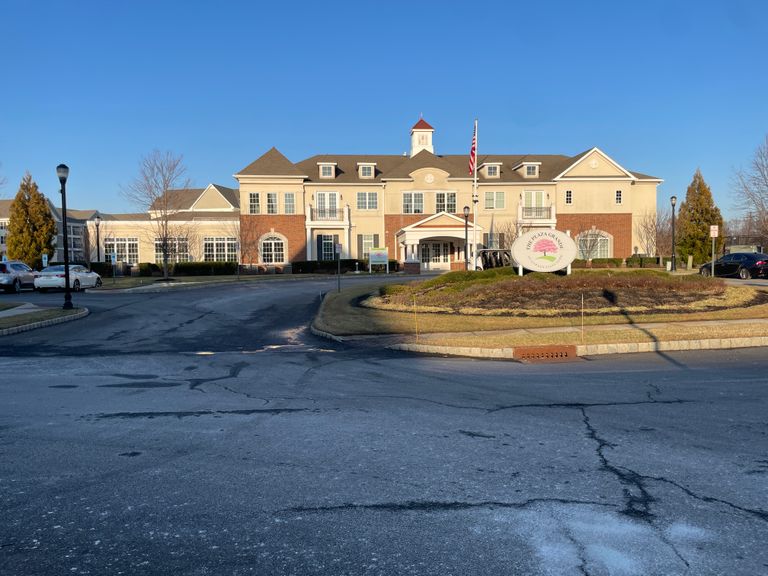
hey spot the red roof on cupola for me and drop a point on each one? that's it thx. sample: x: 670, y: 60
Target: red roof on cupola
x: 422, y: 125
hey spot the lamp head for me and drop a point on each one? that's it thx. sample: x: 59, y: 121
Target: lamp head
x: 62, y: 171
x: 466, y: 211
x: 673, y: 200
x: 97, y: 220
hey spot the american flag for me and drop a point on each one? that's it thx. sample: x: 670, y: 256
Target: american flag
x: 473, y: 152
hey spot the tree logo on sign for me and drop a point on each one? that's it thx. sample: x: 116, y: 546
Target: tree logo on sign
x: 545, y: 245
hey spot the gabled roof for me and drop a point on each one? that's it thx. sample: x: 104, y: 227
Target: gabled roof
x: 181, y: 199
x: 230, y: 194
x: 421, y: 125
x: 271, y: 163
x: 424, y: 159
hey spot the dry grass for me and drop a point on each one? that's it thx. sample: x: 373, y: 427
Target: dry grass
x: 341, y: 315
x: 32, y: 317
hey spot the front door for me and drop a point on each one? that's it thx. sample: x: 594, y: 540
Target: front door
x: 435, y: 255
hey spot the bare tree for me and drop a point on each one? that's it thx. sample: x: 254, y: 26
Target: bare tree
x: 159, y: 188
x: 646, y: 230
x: 752, y: 188
x: 588, y: 242
x: 664, y: 232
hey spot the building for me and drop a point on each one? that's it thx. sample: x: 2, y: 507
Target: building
x: 77, y: 233
x: 202, y: 225
x: 414, y: 204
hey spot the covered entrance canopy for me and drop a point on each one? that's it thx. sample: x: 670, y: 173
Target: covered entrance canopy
x: 437, y: 242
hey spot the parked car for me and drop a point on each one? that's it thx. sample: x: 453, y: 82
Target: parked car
x: 15, y: 275
x: 745, y: 265
x: 79, y: 277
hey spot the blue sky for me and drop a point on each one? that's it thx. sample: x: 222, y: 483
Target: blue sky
x: 663, y: 87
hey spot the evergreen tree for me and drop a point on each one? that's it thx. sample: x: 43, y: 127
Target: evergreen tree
x: 697, y: 213
x: 31, y: 227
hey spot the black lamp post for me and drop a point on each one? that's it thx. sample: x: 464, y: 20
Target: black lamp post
x: 466, y: 238
x: 673, y: 201
x: 97, y: 221
x: 62, y: 171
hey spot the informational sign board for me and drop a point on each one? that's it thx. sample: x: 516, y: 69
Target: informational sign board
x: 338, y: 248
x: 5, y: 258
x: 714, y: 231
x: 113, y: 258
x: 45, y: 260
x: 544, y: 250
x: 378, y: 256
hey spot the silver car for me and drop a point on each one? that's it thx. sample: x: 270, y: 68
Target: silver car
x: 15, y: 275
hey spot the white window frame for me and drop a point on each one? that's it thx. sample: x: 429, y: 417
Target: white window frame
x: 271, y: 202
x: 269, y: 249
x: 289, y: 202
x: 367, y: 201
x: 448, y: 201
x: 254, y: 203
x: 494, y: 200
x: 604, y: 248
x: 413, y: 202
x: 327, y: 170
x: 219, y: 249
x: 368, y: 245
x: 531, y: 170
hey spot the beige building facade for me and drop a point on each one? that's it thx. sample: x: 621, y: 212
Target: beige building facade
x: 413, y: 205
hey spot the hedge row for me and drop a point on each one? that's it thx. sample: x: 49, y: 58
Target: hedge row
x: 332, y: 266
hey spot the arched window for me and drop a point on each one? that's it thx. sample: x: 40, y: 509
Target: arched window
x: 594, y: 244
x: 273, y: 250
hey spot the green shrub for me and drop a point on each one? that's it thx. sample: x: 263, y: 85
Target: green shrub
x: 327, y: 266
x: 204, y: 268
x: 149, y: 268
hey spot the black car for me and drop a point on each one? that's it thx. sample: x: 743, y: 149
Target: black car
x: 745, y: 265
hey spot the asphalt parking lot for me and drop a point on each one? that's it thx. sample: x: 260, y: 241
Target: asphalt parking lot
x: 206, y: 431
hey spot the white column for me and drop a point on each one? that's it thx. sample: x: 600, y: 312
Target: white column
x: 309, y: 244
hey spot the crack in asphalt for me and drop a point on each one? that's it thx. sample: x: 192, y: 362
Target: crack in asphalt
x: 195, y: 413
x: 441, y: 506
x: 580, y: 552
x: 582, y: 405
x: 234, y: 372
x: 636, y: 505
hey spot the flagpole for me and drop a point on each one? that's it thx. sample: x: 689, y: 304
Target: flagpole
x: 474, y: 204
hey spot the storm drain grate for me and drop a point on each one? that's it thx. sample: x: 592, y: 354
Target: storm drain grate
x: 545, y: 353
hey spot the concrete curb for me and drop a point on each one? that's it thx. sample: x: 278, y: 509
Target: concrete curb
x: 326, y: 335
x: 594, y: 349
x: 45, y: 323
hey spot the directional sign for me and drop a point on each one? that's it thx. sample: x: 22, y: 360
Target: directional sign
x: 45, y: 260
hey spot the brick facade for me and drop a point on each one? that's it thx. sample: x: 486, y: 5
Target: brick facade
x: 392, y: 224
x: 617, y: 225
x: 254, y: 227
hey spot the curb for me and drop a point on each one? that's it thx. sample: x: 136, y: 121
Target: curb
x: 45, y: 323
x: 326, y: 335
x: 593, y: 349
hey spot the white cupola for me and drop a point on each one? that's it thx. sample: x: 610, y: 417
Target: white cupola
x: 421, y: 138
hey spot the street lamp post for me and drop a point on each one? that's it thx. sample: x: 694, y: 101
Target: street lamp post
x: 62, y: 171
x: 466, y: 238
x: 673, y: 201
x: 97, y: 221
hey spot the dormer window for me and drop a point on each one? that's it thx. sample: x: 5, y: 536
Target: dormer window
x: 327, y: 169
x: 491, y: 169
x: 366, y: 170
x: 531, y: 169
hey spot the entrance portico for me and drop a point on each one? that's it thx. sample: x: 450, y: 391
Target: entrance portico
x: 436, y: 242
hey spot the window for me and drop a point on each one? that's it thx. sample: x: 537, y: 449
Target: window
x: 618, y: 196
x: 494, y: 200
x: 272, y: 250
x: 327, y: 170
x: 492, y: 171
x: 366, y: 171
x: 368, y: 243
x: 327, y: 247
x: 290, y: 203
x: 254, y: 203
x: 3, y: 231
x: 445, y: 202
x: 531, y: 170
x: 413, y: 202
x: 271, y: 202
x: 178, y: 250
x: 594, y: 244
x: 569, y: 197
x: 494, y: 241
x: 367, y: 201
x: 127, y: 249
x: 220, y: 249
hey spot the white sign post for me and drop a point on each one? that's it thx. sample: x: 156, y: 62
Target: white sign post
x: 714, y: 232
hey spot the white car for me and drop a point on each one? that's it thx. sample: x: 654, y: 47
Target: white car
x: 79, y: 277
